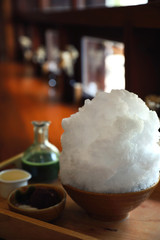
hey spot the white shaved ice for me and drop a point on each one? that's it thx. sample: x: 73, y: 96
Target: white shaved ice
x: 110, y: 145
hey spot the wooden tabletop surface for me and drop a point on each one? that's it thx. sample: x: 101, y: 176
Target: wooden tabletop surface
x: 24, y: 98
x: 143, y: 223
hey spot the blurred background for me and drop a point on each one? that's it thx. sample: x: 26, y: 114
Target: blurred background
x: 54, y: 54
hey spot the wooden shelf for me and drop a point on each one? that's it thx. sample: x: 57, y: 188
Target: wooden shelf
x: 138, y: 27
x: 141, y: 16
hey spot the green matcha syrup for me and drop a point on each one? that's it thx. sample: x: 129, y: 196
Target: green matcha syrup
x: 41, y: 159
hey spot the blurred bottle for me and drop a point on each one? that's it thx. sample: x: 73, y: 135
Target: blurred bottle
x: 41, y: 159
x: 153, y: 102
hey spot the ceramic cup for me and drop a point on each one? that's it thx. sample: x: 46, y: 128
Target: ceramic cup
x: 11, y: 179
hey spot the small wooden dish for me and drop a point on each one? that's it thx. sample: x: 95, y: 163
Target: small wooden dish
x: 108, y: 206
x: 45, y: 214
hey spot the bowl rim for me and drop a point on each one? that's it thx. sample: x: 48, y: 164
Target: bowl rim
x: 110, y: 194
x: 36, y: 210
x: 15, y: 181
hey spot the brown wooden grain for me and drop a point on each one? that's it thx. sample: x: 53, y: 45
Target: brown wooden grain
x: 15, y: 226
x: 142, y: 223
x: 24, y: 98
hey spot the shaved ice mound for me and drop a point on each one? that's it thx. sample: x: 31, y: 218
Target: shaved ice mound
x: 111, y: 145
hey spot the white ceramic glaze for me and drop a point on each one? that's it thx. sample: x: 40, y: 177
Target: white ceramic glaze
x: 7, y: 186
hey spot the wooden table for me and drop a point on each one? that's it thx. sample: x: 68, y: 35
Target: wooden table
x: 143, y: 223
x: 25, y: 98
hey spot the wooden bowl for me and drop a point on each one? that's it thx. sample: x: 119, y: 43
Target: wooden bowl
x: 108, y: 206
x: 45, y: 214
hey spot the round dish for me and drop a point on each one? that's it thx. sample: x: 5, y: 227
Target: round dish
x: 108, y: 206
x: 45, y: 214
x: 11, y: 179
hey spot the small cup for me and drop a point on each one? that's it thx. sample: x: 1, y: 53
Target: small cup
x: 11, y: 179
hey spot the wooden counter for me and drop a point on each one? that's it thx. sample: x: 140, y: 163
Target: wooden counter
x: 143, y: 223
x: 25, y: 98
